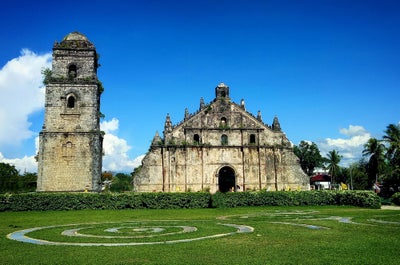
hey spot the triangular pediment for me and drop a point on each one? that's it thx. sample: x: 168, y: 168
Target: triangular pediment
x: 222, y: 113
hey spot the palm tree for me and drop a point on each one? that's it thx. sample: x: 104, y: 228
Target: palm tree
x: 333, y: 159
x: 392, y: 138
x: 375, y: 150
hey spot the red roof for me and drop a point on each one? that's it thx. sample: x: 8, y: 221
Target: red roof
x: 320, y: 177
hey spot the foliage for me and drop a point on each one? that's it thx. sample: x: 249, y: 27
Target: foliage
x: 80, y: 201
x: 374, y: 149
x: 100, y: 86
x: 11, y: 181
x: 396, y: 198
x: 46, y: 73
x: 309, y: 156
x: 366, y: 199
x: 121, y: 182
x: 392, y: 138
x: 383, y: 163
x: 159, y: 200
x: 106, y: 175
x: 332, y: 160
x: 357, y: 175
x: 7, y: 171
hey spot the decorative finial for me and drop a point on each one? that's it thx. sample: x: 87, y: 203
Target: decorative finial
x: 276, y: 125
x: 168, y: 124
x: 186, y: 114
x: 156, y: 139
x: 201, y: 103
x: 259, y: 116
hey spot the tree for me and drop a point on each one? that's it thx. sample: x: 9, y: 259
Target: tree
x: 375, y: 150
x: 333, y: 159
x: 309, y: 156
x: 121, y: 182
x: 27, y: 182
x: 358, y: 175
x: 8, y: 177
x: 392, y: 138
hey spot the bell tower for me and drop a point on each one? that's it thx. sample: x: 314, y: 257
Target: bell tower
x: 70, y: 143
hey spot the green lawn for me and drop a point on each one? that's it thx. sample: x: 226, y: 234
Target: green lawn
x: 281, y: 235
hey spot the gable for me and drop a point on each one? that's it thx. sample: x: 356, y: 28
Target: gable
x: 223, y: 122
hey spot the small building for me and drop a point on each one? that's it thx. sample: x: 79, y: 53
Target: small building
x: 220, y: 147
x: 320, y: 182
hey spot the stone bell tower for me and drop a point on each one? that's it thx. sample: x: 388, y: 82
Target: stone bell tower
x: 70, y: 143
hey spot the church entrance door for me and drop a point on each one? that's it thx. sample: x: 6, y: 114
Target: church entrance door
x: 226, y: 179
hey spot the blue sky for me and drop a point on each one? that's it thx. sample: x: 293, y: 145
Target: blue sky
x: 328, y: 69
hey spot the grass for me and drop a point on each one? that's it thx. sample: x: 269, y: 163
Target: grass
x: 279, y: 236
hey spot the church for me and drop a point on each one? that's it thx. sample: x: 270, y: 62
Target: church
x: 222, y: 147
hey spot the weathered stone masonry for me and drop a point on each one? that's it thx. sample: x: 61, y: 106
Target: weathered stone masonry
x: 70, y: 143
x: 220, y: 147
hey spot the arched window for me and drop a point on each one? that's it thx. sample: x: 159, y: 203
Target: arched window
x: 68, y: 150
x: 252, y: 138
x: 196, y: 139
x: 223, y: 124
x: 71, y: 101
x: 72, y: 73
x: 224, y: 139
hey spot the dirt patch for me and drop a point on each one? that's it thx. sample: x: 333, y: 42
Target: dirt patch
x: 390, y: 207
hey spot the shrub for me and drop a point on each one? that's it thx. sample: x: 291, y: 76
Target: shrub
x: 163, y: 200
x: 396, y: 198
x: 365, y: 199
x: 79, y: 201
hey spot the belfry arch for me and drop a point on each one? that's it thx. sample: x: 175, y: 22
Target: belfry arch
x: 226, y: 179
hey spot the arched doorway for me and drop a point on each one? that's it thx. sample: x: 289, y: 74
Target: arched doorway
x: 226, y: 179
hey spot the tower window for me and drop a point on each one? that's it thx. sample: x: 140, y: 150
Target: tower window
x: 72, y: 73
x: 196, y: 139
x: 71, y: 102
x: 252, y: 138
x: 224, y: 139
x: 68, y: 150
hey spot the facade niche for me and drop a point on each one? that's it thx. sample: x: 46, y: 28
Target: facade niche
x: 252, y: 138
x: 224, y: 139
x: 196, y: 139
x: 71, y: 101
x: 72, y: 71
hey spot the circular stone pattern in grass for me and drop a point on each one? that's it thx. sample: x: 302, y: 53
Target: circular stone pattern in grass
x: 127, y: 234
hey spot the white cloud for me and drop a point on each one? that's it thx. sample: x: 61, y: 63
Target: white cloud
x: 353, y: 130
x: 116, y: 149
x: 27, y: 163
x: 349, y: 147
x: 22, y: 93
x: 110, y: 126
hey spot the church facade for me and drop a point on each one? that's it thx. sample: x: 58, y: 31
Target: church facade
x: 221, y: 147
x: 70, y: 143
